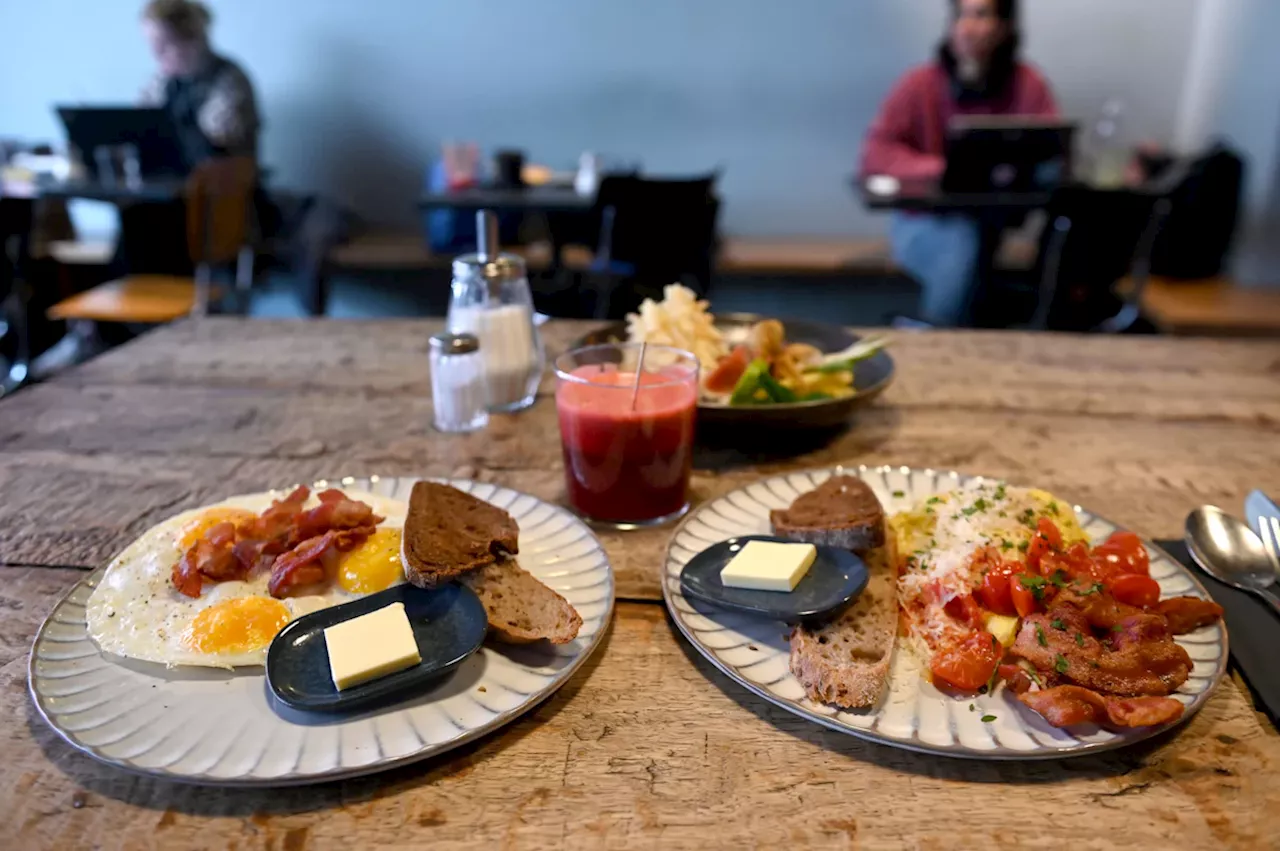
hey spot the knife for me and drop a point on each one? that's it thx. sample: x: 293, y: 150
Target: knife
x: 1263, y: 516
x: 1253, y: 633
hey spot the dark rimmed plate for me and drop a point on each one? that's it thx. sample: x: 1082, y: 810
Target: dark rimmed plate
x: 870, y: 379
x: 834, y: 580
x: 449, y: 624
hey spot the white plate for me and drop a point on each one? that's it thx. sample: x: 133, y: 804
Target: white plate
x: 215, y: 727
x: 913, y: 714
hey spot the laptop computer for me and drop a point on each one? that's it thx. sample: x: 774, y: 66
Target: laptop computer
x: 1007, y: 154
x: 149, y: 129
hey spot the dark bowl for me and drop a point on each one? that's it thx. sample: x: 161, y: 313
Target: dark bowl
x: 870, y: 378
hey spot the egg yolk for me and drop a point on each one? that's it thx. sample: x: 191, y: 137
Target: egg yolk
x: 374, y: 565
x: 237, y: 626
x: 197, y: 526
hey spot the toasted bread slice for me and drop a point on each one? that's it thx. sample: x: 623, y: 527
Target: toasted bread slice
x: 846, y: 662
x: 448, y: 533
x: 841, y: 512
x: 520, y: 608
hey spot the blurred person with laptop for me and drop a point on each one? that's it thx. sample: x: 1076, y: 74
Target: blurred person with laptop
x: 977, y: 73
x: 214, y: 112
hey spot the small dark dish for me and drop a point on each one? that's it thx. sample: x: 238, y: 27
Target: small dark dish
x: 870, y: 378
x: 834, y: 580
x: 448, y: 623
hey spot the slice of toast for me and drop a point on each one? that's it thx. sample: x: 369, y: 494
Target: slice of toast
x: 448, y: 533
x: 846, y: 662
x: 841, y: 512
x: 520, y: 608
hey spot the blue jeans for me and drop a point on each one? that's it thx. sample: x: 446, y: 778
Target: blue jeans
x: 941, y: 252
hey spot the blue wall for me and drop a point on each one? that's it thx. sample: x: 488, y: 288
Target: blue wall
x: 358, y: 95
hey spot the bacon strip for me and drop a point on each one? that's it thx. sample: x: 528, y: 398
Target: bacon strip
x: 298, y: 546
x: 1067, y: 706
x: 1187, y: 614
x: 1141, y: 660
x: 309, y: 563
x: 212, y: 557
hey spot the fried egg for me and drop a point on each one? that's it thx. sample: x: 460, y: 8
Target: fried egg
x: 136, y: 612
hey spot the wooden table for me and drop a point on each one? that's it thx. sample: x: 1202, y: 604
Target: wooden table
x: 647, y: 745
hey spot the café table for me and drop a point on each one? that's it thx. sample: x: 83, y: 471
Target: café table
x: 530, y: 199
x: 647, y: 745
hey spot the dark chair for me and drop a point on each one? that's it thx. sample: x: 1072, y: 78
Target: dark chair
x: 16, y: 218
x: 1094, y: 239
x: 652, y: 233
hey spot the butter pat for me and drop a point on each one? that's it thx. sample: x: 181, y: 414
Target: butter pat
x: 371, y: 646
x: 769, y: 566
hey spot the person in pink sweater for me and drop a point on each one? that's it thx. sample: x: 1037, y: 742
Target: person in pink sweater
x: 977, y: 72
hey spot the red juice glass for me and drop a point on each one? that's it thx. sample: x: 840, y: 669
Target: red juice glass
x: 628, y: 447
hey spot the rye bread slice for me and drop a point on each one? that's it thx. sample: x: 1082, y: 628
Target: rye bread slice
x: 520, y: 608
x: 841, y: 512
x: 846, y: 662
x: 448, y: 533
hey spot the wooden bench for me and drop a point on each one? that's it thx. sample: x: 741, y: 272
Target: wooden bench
x: 1213, y: 306
x: 385, y: 251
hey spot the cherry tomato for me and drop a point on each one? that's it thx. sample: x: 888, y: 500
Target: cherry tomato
x: 1134, y: 589
x: 1075, y: 563
x: 994, y: 593
x: 1046, y: 540
x: 1050, y: 531
x: 730, y: 368
x: 964, y: 609
x: 1124, y: 553
x: 1024, y: 598
x: 969, y: 664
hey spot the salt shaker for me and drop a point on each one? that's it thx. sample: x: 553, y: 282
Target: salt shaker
x: 458, y: 392
x: 491, y: 299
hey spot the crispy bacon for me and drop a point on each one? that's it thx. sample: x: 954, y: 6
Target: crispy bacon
x: 1101, y: 610
x: 1187, y: 614
x: 1066, y: 706
x: 212, y: 557
x: 311, y: 561
x: 335, y: 511
x: 298, y: 546
x: 1137, y: 658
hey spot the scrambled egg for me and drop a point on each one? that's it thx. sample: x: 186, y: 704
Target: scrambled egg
x: 938, y: 538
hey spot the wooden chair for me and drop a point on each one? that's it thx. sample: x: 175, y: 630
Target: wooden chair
x: 219, y: 198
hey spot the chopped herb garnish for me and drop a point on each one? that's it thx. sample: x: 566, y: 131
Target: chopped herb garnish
x: 1117, y: 628
x: 928, y: 509
x: 971, y: 707
x: 1053, y: 508
x: 1003, y: 514
x: 933, y: 542
x: 1080, y: 639
x: 1006, y: 544
x: 1044, y: 642
x: 999, y: 494
x: 933, y: 500
x: 1059, y: 579
x: 1092, y: 589
x: 987, y: 719
x: 1034, y: 584
x: 979, y: 505
x: 1060, y: 664
x: 1022, y: 547
x: 1057, y: 624
x: 899, y: 494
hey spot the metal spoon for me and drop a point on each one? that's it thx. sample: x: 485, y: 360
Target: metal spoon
x: 1229, y: 551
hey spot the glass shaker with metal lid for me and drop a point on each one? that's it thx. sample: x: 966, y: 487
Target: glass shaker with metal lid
x: 491, y: 299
